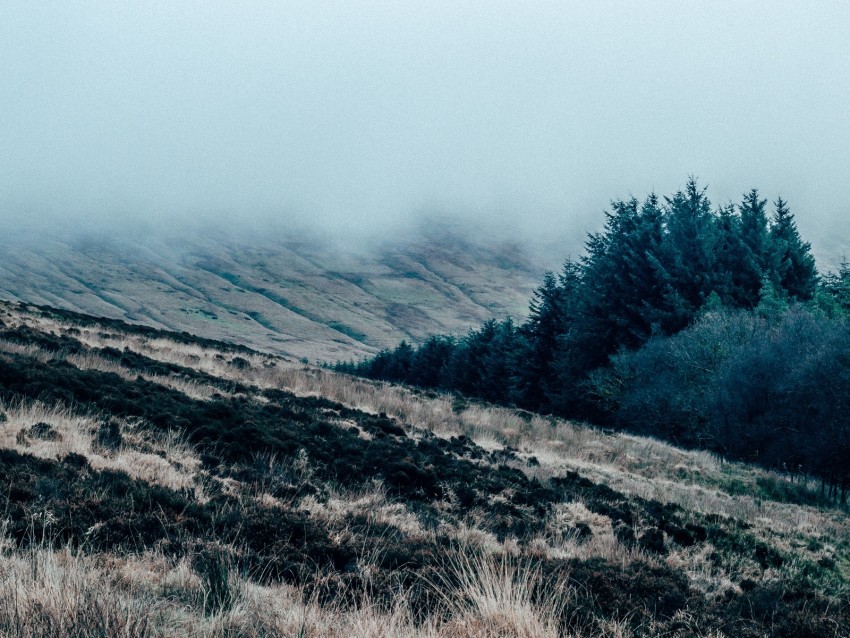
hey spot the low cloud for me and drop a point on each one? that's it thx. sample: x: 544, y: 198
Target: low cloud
x: 365, y: 118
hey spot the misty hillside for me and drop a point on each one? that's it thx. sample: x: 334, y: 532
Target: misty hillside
x: 155, y: 484
x: 308, y: 297
x: 418, y: 320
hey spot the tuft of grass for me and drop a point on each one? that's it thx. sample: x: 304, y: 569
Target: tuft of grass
x: 213, y: 565
x: 57, y: 593
x: 499, y: 595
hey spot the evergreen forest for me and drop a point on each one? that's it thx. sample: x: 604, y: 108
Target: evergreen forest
x: 708, y: 326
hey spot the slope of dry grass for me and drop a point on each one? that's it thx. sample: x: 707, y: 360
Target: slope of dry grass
x: 500, y: 562
x: 62, y: 593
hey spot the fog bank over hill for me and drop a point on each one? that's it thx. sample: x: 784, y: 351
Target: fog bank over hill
x: 359, y: 116
x: 293, y: 285
x: 305, y: 294
x: 259, y: 171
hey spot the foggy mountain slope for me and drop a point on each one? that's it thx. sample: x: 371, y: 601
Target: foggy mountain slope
x: 301, y: 297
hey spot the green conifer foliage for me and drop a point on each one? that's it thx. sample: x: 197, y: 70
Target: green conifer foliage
x: 689, y: 253
x: 837, y: 287
x: 657, y: 267
x: 792, y: 260
x: 738, y: 277
x: 755, y: 261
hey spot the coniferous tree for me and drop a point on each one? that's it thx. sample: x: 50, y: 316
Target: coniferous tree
x: 650, y: 278
x: 755, y: 263
x: 738, y: 277
x: 625, y: 284
x: 653, y: 270
x: 793, y: 264
x: 605, y: 277
x: 539, y: 340
x: 837, y: 286
x: 772, y: 302
x: 689, y: 254
x: 395, y: 366
x: 465, y: 369
x: 575, y: 347
x: 429, y: 360
x: 497, y: 362
x: 480, y: 364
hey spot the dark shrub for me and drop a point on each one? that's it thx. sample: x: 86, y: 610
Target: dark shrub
x: 213, y: 566
x: 109, y: 435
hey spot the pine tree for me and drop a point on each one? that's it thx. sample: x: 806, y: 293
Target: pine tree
x: 497, y: 361
x: 429, y: 360
x: 397, y: 365
x: 837, y: 286
x: 755, y: 263
x: 546, y: 322
x: 688, y: 254
x: 606, y: 276
x: 481, y: 363
x: 755, y: 232
x: 625, y: 286
x: 640, y: 285
x: 772, y: 303
x: 737, y: 277
x: 793, y: 265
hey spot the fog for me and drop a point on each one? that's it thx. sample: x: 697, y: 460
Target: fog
x: 362, y: 116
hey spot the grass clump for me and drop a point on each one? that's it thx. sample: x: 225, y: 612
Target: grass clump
x: 213, y: 566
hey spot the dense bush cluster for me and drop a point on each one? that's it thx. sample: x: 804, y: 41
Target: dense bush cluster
x: 774, y: 391
x: 604, y: 338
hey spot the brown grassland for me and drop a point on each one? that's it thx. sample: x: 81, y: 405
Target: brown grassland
x: 155, y: 484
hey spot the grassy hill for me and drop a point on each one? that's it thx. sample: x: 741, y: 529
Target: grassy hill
x: 156, y: 484
x: 318, y: 298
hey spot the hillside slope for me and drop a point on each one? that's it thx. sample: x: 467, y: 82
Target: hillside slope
x: 155, y: 484
x: 313, y: 298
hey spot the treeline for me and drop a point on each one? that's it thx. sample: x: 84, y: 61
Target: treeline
x: 707, y: 326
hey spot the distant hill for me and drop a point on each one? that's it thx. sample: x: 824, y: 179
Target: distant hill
x: 303, y: 296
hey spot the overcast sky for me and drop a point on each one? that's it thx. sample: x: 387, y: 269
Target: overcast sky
x: 349, y: 112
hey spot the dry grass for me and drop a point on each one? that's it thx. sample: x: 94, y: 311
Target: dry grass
x: 338, y: 506
x: 632, y: 464
x: 635, y: 465
x: 30, y: 350
x: 58, y: 592
x: 175, y: 467
x: 502, y: 596
x: 54, y: 593
x: 495, y: 598
x: 192, y: 388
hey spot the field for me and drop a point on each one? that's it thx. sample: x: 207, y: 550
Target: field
x: 158, y: 484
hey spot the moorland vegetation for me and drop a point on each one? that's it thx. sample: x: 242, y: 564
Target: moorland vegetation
x: 155, y: 484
